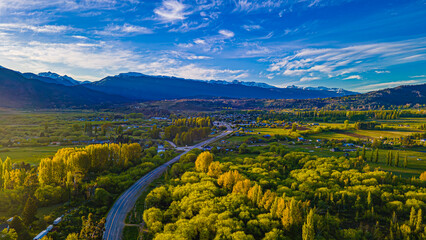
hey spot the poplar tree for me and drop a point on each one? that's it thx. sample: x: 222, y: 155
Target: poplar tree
x: 363, y: 153
x: 397, y: 159
x: 377, y: 155
x: 419, y: 220
x: 308, y: 230
x: 30, y: 211
x: 405, y: 161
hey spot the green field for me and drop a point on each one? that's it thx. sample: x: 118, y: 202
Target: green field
x: 30, y: 155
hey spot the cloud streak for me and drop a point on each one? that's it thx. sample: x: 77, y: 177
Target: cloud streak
x: 11, y: 27
x: 171, y: 11
x: 333, y: 62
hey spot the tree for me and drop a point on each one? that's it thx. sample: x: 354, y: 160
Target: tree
x: 413, y: 217
x: 346, y: 124
x: 397, y: 159
x: 363, y: 153
x: 369, y: 200
x: 203, y: 162
x: 377, y: 156
x: 214, y: 169
x: 72, y: 236
x: 423, y: 176
x: 153, y: 218
x: 91, y: 229
x: 20, y: 228
x: 419, y: 220
x: 405, y: 161
x: 243, y: 148
x: 229, y: 179
x: 294, y: 127
x: 30, y: 211
x: 308, y: 231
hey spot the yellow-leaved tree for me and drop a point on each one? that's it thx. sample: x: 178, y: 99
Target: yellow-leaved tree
x: 203, y: 161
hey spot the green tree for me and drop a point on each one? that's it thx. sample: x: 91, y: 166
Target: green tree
x: 419, y: 220
x: 30, y: 211
x: 20, y: 228
x: 405, y: 161
x: 294, y: 127
x: 346, y: 124
x: 308, y: 230
x: 413, y: 217
x: 243, y: 148
x: 397, y: 159
x: 377, y: 156
x: 363, y: 153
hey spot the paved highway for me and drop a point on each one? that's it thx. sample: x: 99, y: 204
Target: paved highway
x: 115, y: 220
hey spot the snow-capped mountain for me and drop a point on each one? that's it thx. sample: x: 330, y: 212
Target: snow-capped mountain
x: 56, y: 76
x: 249, y: 84
x: 50, y: 77
x: 321, y: 88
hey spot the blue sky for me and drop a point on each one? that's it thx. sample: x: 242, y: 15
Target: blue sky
x: 358, y: 45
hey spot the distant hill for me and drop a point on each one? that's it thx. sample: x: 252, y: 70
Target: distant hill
x: 143, y: 87
x: 408, y: 94
x: 402, y: 95
x: 17, y: 91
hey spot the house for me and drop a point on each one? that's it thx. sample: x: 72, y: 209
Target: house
x: 41, y: 235
x: 334, y: 150
x: 160, y: 149
x: 58, y: 220
x: 49, y: 228
x: 207, y: 148
x: 348, y: 145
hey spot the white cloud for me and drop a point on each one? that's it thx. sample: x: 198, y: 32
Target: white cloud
x: 34, y: 28
x: 305, y: 79
x: 418, y: 76
x: 332, y: 62
x: 251, y: 27
x: 15, y: 6
x: 226, y: 33
x: 381, y: 71
x: 199, y: 41
x: 103, y: 58
x: 122, y: 30
x: 80, y: 37
x: 253, y: 5
x: 372, y: 87
x: 171, y: 11
x: 352, y: 77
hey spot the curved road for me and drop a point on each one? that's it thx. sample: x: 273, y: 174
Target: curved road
x: 116, y: 216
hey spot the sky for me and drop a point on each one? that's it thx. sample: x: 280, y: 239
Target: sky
x: 359, y: 45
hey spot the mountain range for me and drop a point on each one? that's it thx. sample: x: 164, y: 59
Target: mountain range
x: 16, y: 91
x: 51, y: 90
x: 144, y: 87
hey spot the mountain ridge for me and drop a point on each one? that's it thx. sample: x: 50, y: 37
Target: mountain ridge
x: 145, y: 87
x: 16, y: 91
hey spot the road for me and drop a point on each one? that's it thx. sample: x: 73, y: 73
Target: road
x: 116, y: 216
